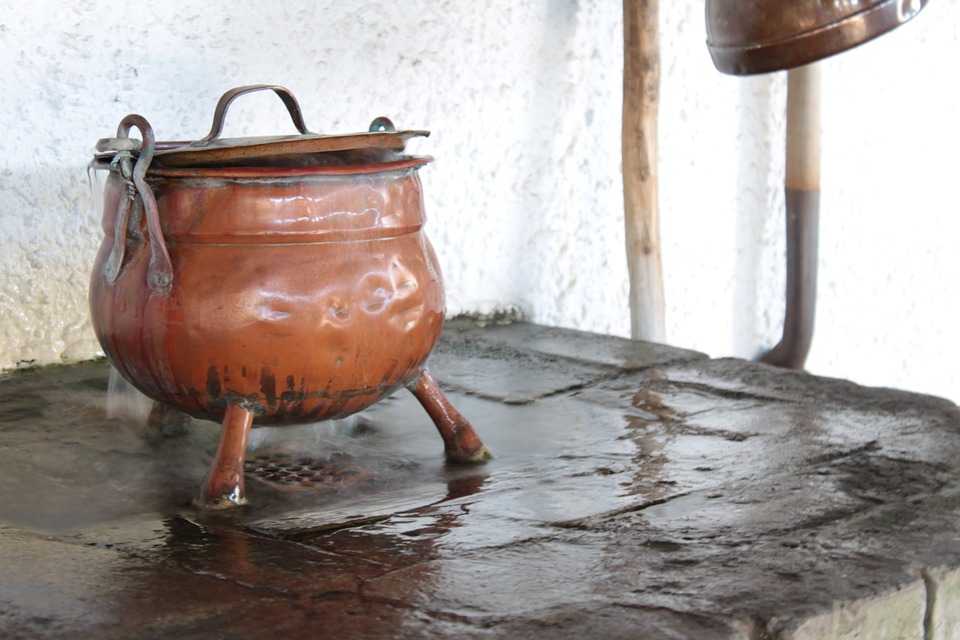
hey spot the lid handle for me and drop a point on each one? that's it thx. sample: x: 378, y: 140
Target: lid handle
x: 220, y: 113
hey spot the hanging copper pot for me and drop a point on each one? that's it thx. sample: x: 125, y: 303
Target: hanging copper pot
x: 770, y: 35
x: 270, y: 280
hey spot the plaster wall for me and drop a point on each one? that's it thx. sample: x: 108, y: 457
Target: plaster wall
x: 525, y: 198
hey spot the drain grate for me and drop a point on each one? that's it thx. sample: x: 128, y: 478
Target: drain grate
x: 336, y: 472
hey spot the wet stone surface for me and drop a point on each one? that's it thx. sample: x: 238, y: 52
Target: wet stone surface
x: 637, y: 491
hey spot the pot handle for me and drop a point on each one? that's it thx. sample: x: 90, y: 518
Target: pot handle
x: 220, y: 113
x: 160, y: 271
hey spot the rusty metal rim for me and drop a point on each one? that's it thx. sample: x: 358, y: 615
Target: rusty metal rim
x: 412, y: 162
x: 290, y: 172
x: 261, y: 149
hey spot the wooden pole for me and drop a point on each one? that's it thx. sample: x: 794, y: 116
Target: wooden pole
x: 641, y: 87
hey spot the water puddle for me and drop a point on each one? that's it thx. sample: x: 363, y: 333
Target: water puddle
x: 88, y: 458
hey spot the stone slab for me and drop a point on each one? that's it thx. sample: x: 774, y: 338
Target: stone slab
x: 636, y: 491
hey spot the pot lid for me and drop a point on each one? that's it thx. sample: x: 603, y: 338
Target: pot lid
x: 382, y: 142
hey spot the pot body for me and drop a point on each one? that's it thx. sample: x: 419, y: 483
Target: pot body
x: 299, y: 294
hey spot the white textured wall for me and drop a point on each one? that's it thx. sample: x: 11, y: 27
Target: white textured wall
x: 524, y: 199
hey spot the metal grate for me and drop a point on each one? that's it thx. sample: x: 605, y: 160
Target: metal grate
x: 336, y: 472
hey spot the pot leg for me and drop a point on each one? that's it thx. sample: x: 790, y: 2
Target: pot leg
x: 223, y: 485
x: 165, y: 421
x: 460, y: 441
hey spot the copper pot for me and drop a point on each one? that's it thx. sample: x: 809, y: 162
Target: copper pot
x: 770, y: 35
x: 269, y: 280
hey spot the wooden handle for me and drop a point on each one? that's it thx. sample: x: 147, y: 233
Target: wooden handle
x: 803, y: 128
x: 641, y: 98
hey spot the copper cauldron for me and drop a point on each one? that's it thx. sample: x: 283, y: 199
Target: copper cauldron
x: 269, y: 280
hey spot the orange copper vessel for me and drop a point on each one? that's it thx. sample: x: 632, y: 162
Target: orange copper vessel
x: 284, y: 281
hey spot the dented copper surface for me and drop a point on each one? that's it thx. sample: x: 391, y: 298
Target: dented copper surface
x: 275, y: 294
